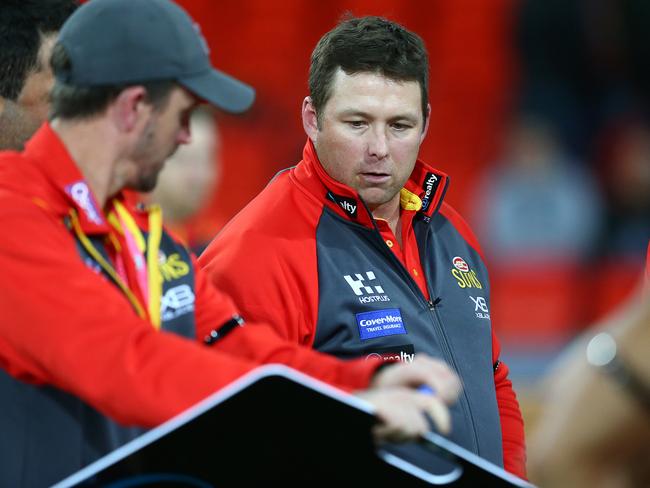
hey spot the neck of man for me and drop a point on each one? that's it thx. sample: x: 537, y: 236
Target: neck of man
x: 391, y: 213
x: 96, y: 150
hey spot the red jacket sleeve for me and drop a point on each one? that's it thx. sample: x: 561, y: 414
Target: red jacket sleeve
x: 512, y: 424
x: 271, y: 282
x: 64, y: 325
x: 260, y: 343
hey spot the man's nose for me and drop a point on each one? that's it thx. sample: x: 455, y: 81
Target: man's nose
x: 377, y: 143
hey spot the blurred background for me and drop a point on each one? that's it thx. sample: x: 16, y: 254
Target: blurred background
x: 539, y: 115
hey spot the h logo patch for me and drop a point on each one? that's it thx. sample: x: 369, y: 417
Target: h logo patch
x: 360, y: 286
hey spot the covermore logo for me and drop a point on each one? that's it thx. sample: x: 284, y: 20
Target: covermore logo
x: 362, y: 287
x: 380, y: 323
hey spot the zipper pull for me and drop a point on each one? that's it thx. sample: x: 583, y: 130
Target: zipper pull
x: 432, y: 304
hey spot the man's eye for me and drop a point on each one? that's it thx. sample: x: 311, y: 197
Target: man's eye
x: 400, y: 127
x: 356, y: 124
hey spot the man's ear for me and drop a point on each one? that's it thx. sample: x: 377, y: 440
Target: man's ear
x: 426, y: 123
x: 130, y: 109
x: 310, y: 119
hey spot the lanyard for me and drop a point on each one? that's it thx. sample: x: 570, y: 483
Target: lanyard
x: 148, y: 278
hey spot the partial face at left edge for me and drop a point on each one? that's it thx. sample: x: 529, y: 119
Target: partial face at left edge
x: 20, y: 119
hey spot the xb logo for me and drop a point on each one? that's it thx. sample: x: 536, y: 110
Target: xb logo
x: 480, y: 307
x: 481, y: 304
x: 176, y: 301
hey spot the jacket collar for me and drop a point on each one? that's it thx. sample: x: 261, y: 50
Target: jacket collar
x: 428, y: 185
x: 48, y: 153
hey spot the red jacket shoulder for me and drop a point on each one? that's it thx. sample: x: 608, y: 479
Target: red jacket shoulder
x: 461, y: 226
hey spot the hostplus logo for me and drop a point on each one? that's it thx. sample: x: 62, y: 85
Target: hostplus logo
x: 366, y: 291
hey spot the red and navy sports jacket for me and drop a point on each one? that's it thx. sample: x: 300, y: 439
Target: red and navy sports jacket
x: 78, y: 363
x: 305, y: 256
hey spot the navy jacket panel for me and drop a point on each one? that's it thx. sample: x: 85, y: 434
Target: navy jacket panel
x: 369, y: 306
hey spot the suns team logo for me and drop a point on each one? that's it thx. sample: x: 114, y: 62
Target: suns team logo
x: 460, y: 264
x: 465, y: 276
x: 172, y: 267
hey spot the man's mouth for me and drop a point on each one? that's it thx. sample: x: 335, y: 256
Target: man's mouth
x: 375, y: 178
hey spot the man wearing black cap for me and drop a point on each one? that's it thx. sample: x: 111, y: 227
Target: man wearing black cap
x: 106, y: 322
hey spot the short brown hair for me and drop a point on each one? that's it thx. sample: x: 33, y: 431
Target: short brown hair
x: 368, y: 44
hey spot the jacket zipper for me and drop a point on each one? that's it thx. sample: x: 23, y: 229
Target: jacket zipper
x: 436, y: 321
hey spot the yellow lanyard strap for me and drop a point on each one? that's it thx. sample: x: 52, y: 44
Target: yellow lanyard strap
x: 152, y: 246
x: 105, y: 265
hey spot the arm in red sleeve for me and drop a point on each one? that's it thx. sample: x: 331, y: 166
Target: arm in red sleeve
x: 64, y: 325
x: 272, y: 279
x: 261, y: 344
x: 512, y: 424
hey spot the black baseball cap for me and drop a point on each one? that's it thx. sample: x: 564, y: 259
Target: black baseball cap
x: 114, y: 42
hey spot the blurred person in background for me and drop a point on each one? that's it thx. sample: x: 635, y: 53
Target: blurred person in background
x: 537, y: 204
x: 353, y: 251
x: 28, y: 29
x: 189, y: 178
x: 96, y: 338
x: 594, y: 426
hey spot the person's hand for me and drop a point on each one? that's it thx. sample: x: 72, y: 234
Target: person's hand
x: 404, y: 392
x: 402, y: 413
x: 424, y: 371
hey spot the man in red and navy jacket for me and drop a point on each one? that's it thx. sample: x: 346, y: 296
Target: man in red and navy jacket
x: 354, y: 252
x: 107, y: 325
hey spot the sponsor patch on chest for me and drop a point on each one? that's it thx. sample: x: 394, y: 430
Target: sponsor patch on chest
x: 380, y: 323
x: 404, y: 353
